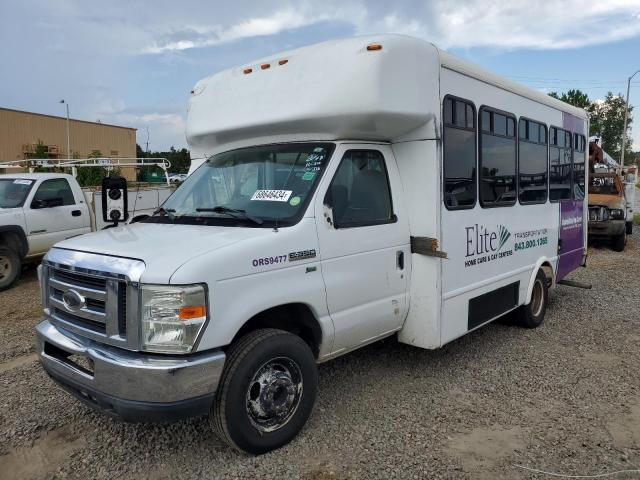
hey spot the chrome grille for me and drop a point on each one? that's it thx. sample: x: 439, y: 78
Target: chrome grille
x: 598, y: 214
x: 101, y: 301
x: 95, y: 296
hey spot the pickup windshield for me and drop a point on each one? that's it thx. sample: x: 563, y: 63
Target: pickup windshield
x: 257, y: 186
x: 603, y: 186
x: 14, y: 191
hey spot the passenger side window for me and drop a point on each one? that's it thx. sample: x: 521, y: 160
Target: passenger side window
x: 53, y: 193
x: 459, y: 145
x: 532, y: 162
x: 579, y: 159
x: 359, y: 194
x: 497, y: 158
x: 560, y: 164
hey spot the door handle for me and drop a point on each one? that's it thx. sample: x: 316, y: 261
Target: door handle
x: 76, y: 213
x: 400, y: 260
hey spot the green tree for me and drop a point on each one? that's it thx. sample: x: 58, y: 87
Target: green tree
x: 607, y: 120
x: 92, y: 176
x: 577, y: 98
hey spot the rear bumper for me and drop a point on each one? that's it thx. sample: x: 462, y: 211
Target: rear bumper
x: 132, y: 386
x: 608, y: 228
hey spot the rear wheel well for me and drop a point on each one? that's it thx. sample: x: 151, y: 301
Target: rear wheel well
x: 296, y: 318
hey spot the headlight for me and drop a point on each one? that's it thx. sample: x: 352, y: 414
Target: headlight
x: 616, y: 213
x: 172, y: 317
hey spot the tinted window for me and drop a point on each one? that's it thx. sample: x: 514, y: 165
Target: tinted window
x: 498, y: 162
x: 57, y: 188
x: 459, y: 157
x: 532, y: 164
x: 579, y: 159
x: 560, y: 166
x: 359, y: 193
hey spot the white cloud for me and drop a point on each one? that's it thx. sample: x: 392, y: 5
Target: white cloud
x: 506, y: 24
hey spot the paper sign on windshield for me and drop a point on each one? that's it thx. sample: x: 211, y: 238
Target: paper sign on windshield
x: 272, y: 195
x: 22, y: 182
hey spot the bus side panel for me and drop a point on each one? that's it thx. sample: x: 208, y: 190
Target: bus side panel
x: 493, y: 253
x: 418, y: 163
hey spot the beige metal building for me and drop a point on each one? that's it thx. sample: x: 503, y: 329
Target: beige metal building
x: 21, y: 131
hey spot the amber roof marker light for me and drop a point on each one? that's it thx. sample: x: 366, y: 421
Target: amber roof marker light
x: 374, y: 47
x: 283, y: 61
x: 247, y: 71
x: 264, y: 66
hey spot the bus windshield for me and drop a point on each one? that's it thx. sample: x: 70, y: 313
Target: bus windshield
x: 257, y: 186
x: 14, y: 191
x: 603, y: 186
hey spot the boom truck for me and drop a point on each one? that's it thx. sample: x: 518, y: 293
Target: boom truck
x: 341, y: 193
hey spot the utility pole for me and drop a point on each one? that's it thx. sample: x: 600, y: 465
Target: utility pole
x: 147, y: 139
x: 626, y: 118
x: 68, y: 142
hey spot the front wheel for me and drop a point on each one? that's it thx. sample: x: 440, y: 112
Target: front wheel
x: 267, y: 391
x: 618, y: 242
x: 531, y: 315
x: 10, y: 266
x: 628, y: 227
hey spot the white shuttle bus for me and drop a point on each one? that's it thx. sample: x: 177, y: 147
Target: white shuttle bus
x: 346, y: 192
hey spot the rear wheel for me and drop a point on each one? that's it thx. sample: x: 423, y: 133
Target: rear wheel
x: 618, y: 242
x: 10, y: 266
x: 267, y: 391
x: 531, y: 315
x: 629, y: 227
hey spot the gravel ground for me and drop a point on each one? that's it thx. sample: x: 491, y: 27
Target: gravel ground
x: 563, y: 398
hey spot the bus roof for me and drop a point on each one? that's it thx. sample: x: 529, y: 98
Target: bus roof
x: 375, y: 87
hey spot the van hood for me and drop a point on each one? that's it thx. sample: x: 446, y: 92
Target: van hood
x: 162, y: 247
x: 609, y: 201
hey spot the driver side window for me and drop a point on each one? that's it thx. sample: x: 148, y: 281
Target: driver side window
x: 54, y: 192
x: 359, y: 193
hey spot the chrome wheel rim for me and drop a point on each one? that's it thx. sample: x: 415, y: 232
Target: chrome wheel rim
x: 274, y: 393
x: 5, y: 268
x: 537, y: 298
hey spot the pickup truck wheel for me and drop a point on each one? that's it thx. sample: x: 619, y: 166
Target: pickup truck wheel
x: 10, y: 266
x: 531, y: 315
x: 618, y: 242
x: 267, y: 391
x: 628, y: 227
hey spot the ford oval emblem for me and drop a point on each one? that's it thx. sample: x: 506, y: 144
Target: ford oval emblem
x: 72, y: 300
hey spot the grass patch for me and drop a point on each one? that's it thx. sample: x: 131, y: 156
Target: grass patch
x: 636, y: 218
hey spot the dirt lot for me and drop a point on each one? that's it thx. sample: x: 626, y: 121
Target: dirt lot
x: 563, y: 398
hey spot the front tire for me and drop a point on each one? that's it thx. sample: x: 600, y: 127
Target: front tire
x: 10, y: 267
x: 531, y: 315
x: 267, y: 391
x: 618, y: 242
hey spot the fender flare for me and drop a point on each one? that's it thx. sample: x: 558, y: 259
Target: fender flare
x: 22, y: 237
x: 541, y: 261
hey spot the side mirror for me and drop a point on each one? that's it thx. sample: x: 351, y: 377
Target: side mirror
x: 114, y: 200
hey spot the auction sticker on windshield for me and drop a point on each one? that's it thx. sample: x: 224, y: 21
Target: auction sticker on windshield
x: 272, y: 195
x: 23, y: 182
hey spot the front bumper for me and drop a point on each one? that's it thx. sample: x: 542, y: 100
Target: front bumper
x: 133, y: 386
x: 607, y: 228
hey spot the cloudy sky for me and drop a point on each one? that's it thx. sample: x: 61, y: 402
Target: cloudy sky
x: 134, y: 62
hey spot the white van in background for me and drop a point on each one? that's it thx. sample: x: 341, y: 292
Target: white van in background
x: 348, y: 191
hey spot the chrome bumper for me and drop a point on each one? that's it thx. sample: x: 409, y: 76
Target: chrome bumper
x: 103, y: 375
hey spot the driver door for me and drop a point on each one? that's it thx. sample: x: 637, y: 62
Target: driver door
x: 47, y: 225
x: 364, y: 244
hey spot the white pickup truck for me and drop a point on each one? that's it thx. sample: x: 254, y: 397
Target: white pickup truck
x: 38, y: 210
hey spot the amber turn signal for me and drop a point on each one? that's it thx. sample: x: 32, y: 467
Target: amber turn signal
x: 188, y: 313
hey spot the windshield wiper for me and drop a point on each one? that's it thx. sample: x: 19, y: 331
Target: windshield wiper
x: 169, y: 212
x: 233, y: 212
